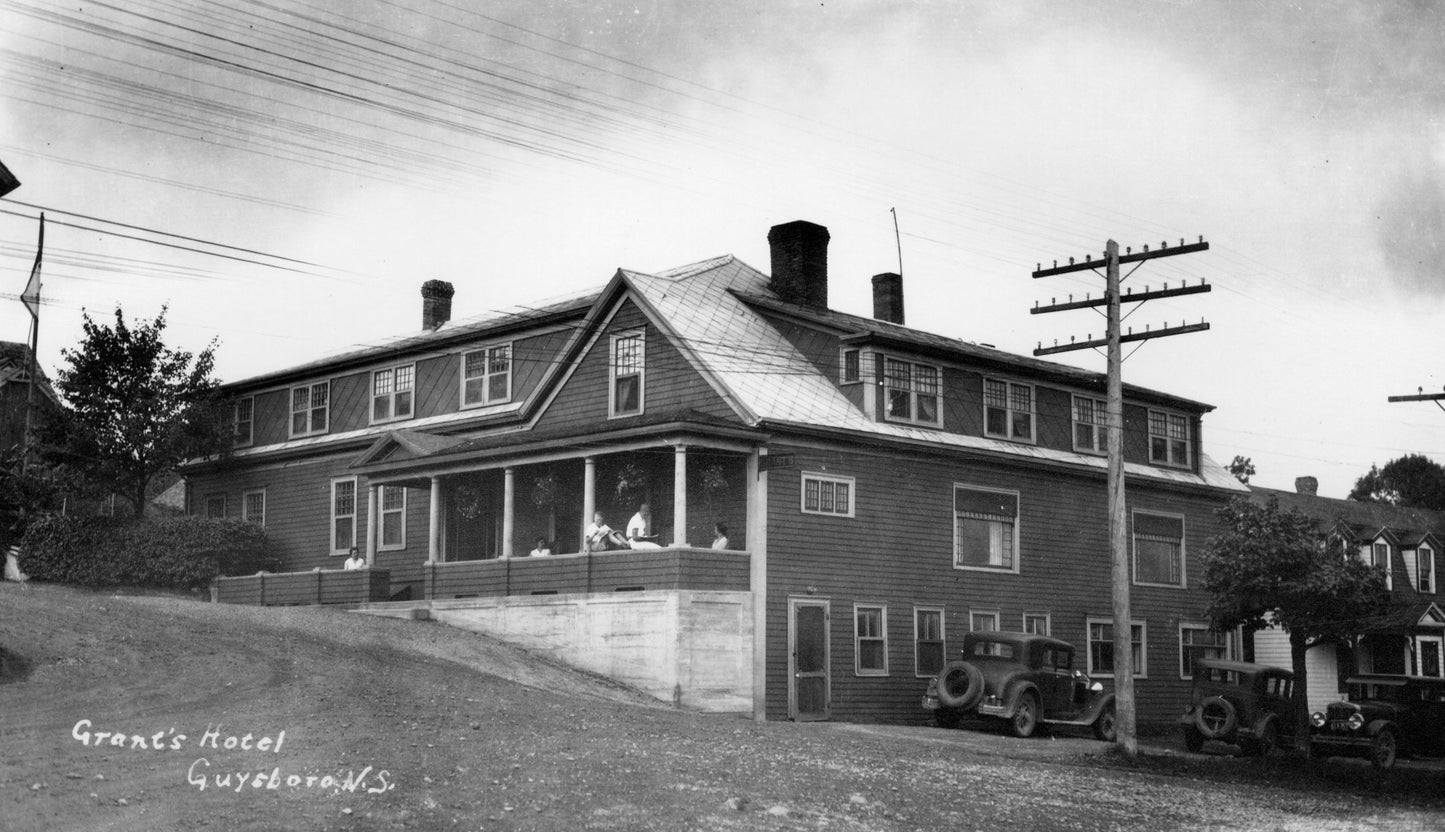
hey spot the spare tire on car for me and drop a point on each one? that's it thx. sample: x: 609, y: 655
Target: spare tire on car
x: 960, y: 685
x: 1217, y: 718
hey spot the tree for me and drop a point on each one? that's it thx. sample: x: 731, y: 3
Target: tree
x: 1412, y: 481
x: 1271, y: 568
x: 1242, y: 468
x: 136, y: 408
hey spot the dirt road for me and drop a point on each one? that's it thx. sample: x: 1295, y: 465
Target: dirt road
x: 156, y: 713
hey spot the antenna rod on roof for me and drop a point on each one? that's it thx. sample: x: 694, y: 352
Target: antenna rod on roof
x: 897, y: 239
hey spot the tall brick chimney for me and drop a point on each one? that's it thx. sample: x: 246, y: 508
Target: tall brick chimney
x: 888, y: 297
x: 1307, y: 485
x: 800, y: 263
x: 436, y: 303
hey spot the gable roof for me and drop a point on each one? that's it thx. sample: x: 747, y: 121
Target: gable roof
x: 1406, y: 527
x: 15, y: 366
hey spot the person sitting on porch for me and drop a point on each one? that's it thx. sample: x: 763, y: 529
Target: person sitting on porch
x: 599, y: 537
x: 720, y: 540
x: 542, y: 550
x: 639, y: 528
x: 355, y: 560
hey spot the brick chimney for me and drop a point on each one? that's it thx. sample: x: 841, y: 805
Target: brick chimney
x: 1307, y: 485
x: 436, y: 303
x: 800, y: 263
x: 888, y: 297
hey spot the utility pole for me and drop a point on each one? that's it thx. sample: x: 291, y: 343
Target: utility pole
x: 1114, y: 340
x: 1422, y: 396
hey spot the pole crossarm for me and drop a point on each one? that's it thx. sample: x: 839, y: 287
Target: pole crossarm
x: 1134, y: 257
x: 1128, y: 297
x: 1423, y: 397
x: 1146, y: 335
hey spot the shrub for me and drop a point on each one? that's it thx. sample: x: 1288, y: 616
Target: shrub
x: 172, y: 552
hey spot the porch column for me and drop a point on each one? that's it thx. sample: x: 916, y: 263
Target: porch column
x: 508, y: 508
x: 679, y: 495
x: 757, y: 545
x: 433, y: 537
x: 589, y: 494
x: 371, y: 503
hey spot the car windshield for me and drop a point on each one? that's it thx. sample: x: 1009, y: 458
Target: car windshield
x: 1382, y: 691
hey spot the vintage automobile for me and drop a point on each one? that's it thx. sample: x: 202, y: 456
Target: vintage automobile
x: 1386, y: 717
x: 1023, y: 679
x: 1241, y: 703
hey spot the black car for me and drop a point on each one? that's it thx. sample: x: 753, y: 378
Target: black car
x: 1241, y: 703
x: 1386, y: 717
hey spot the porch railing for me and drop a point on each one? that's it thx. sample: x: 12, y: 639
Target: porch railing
x: 323, y: 586
x: 627, y: 570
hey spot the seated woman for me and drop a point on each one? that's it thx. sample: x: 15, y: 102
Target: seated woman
x: 542, y: 550
x: 600, y: 537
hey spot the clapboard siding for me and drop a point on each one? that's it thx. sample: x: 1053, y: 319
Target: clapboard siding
x: 898, y: 551
x: 694, y: 569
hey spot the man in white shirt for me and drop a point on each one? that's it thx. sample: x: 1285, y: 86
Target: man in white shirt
x: 355, y: 561
x: 639, y: 529
x: 599, y: 537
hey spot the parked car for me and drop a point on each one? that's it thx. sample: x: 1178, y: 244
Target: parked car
x: 1386, y: 717
x: 1023, y: 679
x: 1241, y: 703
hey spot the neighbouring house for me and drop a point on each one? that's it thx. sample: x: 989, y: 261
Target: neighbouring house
x: 885, y: 490
x: 1405, y: 542
x: 15, y: 394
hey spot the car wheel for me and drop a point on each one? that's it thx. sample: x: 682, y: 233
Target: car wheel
x: 1217, y: 718
x: 960, y: 686
x: 1268, y: 739
x: 946, y: 718
x: 1026, y: 716
x: 1193, y: 740
x: 1382, y: 753
x: 1106, y: 727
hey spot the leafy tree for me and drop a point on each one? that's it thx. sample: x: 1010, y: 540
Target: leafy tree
x: 1271, y: 567
x: 136, y: 408
x: 1242, y: 468
x: 1412, y: 481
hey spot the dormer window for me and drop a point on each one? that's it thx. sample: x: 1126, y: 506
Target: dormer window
x: 1008, y: 410
x: 1091, y: 431
x: 1425, y: 569
x: 243, y: 420
x: 1168, y: 438
x: 487, y: 376
x: 1378, y: 554
x: 310, y: 405
x: 391, y: 393
x: 628, y: 367
x: 850, y: 366
x: 912, y: 392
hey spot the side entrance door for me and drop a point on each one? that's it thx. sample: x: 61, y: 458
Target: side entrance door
x: 808, y: 693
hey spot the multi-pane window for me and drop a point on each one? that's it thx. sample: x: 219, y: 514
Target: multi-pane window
x: 253, y: 507
x: 911, y: 391
x: 1037, y: 623
x: 343, y: 516
x: 1378, y: 554
x: 1101, y: 647
x: 985, y: 528
x: 243, y: 420
x: 928, y: 650
x: 393, y: 517
x: 1168, y: 438
x: 1158, y: 549
x: 1091, y: 425
x: 1425, y: 568
x: 215, y: 505
x: 628, y: 366
x: 984, y: 622
x: 392, y: 393
x: 1197, y: 641
x: 870, y: 635
x: 487, y: 376
x: 851, y: 369
x: 827, y: 495
x: 1008, y: 410
x: 309, y: 407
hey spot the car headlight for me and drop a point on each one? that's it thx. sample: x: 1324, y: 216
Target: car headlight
x: 1097, y: 687
x: 1317, y: 719
x: 1356, y: 721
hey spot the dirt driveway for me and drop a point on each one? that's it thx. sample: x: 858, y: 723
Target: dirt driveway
x: 238, y: 719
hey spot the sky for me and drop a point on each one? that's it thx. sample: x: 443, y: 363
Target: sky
x: 282, y: 176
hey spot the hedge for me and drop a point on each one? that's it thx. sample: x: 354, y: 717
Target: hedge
x: 173, y: 552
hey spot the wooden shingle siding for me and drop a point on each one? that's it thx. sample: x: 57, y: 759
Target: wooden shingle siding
x: 271, y: 418
x: 350, y: 402
x: 438, y: 389
x: 897, y: 551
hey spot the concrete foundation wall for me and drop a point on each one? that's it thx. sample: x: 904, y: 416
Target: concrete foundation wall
x: 692, y: 648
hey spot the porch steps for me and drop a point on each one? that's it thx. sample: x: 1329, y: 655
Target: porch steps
x: 407, y: 610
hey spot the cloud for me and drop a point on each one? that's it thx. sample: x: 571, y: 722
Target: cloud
x: 1410, y: 225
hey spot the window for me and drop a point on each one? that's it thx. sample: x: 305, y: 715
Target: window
x: 1425, y: 568
x: 1091, y: 425
x: 928, y: 650
x: 850, y: 368
x: 1101, y: 647
x: 985, y: 529
x: 392, y: 393
x: 343, y: 516
x: 911, y: 391
x: 1158, y: 549
x: 1037, y: 623
x: 823, y: 494
x: 243, y: 420
x: 487, y: 376
x: 1008, y: 410
x: 870, y: 633
x: 393, y: 517
x: 309, y: 405
x: 1197, y: 641
x: 1168, y: 438
x: 983, y: 622
x: 1378, y: 554
x: 215, y: 505
x: 627, y: 373
x: 253, y: 507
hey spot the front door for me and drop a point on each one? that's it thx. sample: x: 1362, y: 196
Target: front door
x: 1427, y: 654
x: 808, y: 694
